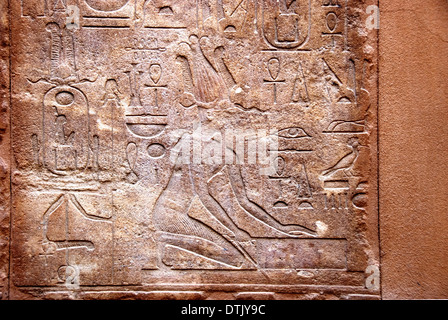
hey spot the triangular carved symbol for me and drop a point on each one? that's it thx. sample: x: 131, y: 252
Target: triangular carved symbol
x: 60, y: 6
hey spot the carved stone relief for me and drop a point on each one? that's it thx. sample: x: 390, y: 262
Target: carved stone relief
x: 193, y: 146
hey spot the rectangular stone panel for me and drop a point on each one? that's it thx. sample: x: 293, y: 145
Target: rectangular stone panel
x: 183, y: 149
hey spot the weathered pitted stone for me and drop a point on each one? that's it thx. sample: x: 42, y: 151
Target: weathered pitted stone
x: 5, y: 146
x: 193, y: 149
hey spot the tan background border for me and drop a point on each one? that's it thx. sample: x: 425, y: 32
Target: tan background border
x: 413, y: 148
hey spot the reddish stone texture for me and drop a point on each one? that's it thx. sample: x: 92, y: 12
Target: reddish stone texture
x: 413, y: 151
x: 91, y: 233
x: 4, y: 149
x: 413, y: 175
x: 102, y: 198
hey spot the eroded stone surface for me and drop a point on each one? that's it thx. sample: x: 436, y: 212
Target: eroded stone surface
x: 4, y: 150
x: 193, y: 150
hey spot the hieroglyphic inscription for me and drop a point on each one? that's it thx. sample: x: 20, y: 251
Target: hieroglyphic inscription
x: 162, y: 139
